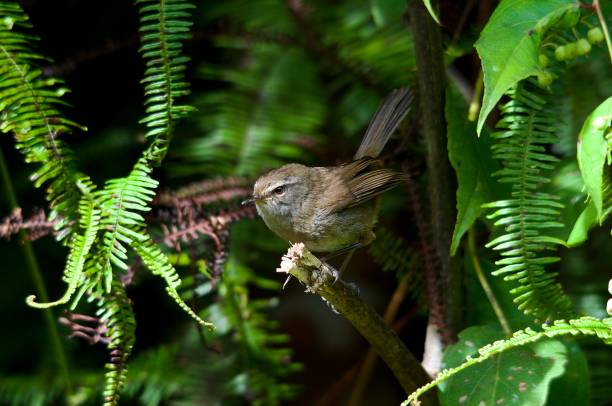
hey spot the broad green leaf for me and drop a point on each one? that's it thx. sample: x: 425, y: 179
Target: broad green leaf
x: 431, y: 11
x: 520, y: 376
x: 473, y: 164
x: 509, y: 44
x: 592, y: 152
x: 586, y: 221
x: 573, y: 387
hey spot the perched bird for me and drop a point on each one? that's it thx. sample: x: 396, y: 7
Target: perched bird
x: 333, y: 209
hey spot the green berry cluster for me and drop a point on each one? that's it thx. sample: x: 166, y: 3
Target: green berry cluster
x: 580, y: 47
x: 567, y: 52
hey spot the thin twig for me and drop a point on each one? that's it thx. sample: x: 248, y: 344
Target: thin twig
x: 604, y: 27
x: 39, y: 285
x: 462, y: 20
x: 485, y: 285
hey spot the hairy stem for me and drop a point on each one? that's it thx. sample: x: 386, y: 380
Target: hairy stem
x: 39, y: 285
x: 431, y: 89
x: 319, y: 278
x: 485, y: 284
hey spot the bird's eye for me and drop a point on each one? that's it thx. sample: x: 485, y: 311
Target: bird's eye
x: 279, y: 190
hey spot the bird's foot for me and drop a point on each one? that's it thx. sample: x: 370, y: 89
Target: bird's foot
x: 325, y: 274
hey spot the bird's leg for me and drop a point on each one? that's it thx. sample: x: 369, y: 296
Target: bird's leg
x: 348, y: 248
x: 345, y: 263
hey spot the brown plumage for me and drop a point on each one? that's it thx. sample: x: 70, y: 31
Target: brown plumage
x: 331, y: 208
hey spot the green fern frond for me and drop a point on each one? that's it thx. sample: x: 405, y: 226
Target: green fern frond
x: 261, y: 347
x: 115, y: 311
x: 30, y: 109
x: 393, y: 255
x: 157, y: 262
x: 80, y: 246
x: 527, y: 127
x: 164, y: 25
x: 588, y: 326
x: 121, y: 201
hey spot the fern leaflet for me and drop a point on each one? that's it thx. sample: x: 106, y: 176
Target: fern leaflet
x: 80, y: 246
x: 164, y: 24
x: 525, y: 130
x: 115, y: 311
x: 29, y: 108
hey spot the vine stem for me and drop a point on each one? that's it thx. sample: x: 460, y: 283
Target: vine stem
x: 485, y: 284
x: 604, y: 27
x: 39, y: 285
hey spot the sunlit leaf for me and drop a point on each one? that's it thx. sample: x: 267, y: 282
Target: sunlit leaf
x: 592, y: 152
x: 509, y: 44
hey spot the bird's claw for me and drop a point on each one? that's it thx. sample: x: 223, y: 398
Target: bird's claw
x: 326, y: 275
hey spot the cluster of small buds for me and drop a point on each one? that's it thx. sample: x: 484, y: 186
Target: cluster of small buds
x: 580, y: 47
x: 567, y: 52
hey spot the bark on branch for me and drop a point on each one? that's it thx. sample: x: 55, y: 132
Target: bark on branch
x: 319, y: 278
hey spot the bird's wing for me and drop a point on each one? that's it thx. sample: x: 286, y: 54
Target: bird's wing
x: 358, y: 182
x: 370, y: 184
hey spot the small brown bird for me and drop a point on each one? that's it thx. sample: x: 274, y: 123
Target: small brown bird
x: 334, y: 209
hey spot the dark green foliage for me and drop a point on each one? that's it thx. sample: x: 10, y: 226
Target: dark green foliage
x: 527, y: 128
x: 102, y: 223
x: 394, y: 255
x: 261, y: 122
x: 263, y: 361
x: 295, y: 81
x: 281, y: 88
x: 30, y: 109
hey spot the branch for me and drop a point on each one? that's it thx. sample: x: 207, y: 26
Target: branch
x: 319, y: 278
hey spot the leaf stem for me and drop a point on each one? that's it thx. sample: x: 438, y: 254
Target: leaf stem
x: 39, y: 285
x: 475, y: 103
x: 485, y: 284
x: 604, y: 27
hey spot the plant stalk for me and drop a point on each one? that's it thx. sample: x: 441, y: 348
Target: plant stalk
x: 485, y: 284
x: 39, y: 285
x: 604, y: 27
x: 431, y: 90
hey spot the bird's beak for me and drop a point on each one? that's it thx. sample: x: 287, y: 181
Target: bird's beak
x: 248, y: 201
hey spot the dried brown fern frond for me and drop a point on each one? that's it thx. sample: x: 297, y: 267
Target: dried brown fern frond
x: 34, y: 227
